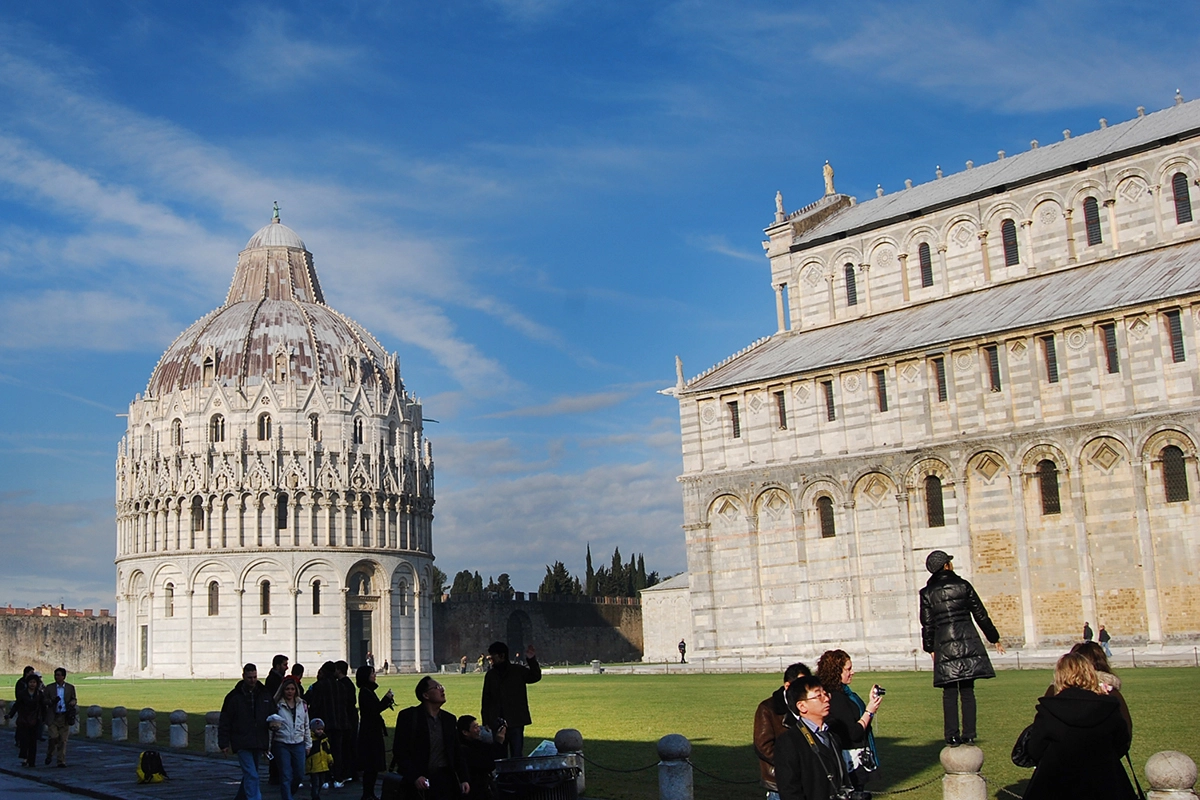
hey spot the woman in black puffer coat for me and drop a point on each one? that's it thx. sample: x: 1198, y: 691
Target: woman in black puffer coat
x: 948, y: 604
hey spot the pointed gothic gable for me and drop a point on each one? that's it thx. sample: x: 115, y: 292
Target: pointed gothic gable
x: 315, y: 400
x: 258, y: 477
x: 192, y: 478
x: 328, y: 477
x: 294, y: 475
x: 360, y: 477
x: 224, y: 475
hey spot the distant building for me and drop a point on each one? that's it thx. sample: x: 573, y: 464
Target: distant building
x: 1001, y: 363
x: 274, y: 489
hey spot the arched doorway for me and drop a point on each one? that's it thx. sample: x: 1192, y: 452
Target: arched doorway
x: 362, y: 605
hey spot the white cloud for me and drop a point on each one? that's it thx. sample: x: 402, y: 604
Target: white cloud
x: 576, y: 404
x: 82, y: 320
x: 271, y: 56
x: 721, y: 246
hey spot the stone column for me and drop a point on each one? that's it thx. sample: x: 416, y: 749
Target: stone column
x: 179, y: 729
x: 1017, y: 489
x: 147, y: 728
x: 1156, y: 192
x: 830, y: 297
x: 779, y: 321
x: 674, y: 768
x: 95, y: 722
x: 983, y: 251
x: 941, y: 250
x: 1141, y: 480
x: 344, y: 618
x: 120, y: 724
x: 962, y: 780
x: 417, y: 610
x: 385, y: 620
x: 212, y: 722
x: 903, y: 275
x: 1087, y: 587
x: 864, y: 270
x: 1111, y: 205
x: 1068, y: 212
x: 569, y: 740
x: 191, y: 625
x: 295, y: 592
x: 240, y: 593
x: 1027, y: 235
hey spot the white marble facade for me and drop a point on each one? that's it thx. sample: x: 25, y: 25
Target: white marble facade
x: 274, y: 489
x: 1002, y: 363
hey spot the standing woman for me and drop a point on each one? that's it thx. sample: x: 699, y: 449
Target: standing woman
x: 30, y: 711
x: 1078, y: 738
x: 849, y: 717
x: 293, y: 739
x: 372, y: 754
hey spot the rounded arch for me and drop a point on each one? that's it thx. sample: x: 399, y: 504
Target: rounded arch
x: 1177, y: 162
x: 1126, y: 173
x: 770, y: 491
x: 165, y: 571
x: 969, y: 220
x: 1153, y: 444
x: 822, y: 485
x: 928, y: 466
x: 1038, y: 199
x: 1084, y: 447
x: 264, y: 564
x: 1088, y: 187
x: 920, y: 233
x: 204, y: 571
x: 317, y: 569
x: 1004, y: 209
x: 1043, y: 451
x: 136, y: 585
x: 374, y: 573
x: 726, y: 504
x: 881, y: 241
x: 875, y: 484
x: 845, y: 255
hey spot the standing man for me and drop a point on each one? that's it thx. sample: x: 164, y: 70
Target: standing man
x: 61, y: 713
x: 345, y: 759
x: 279, y: 670
x: 243, y: 728
x: 682, y: 651
x: 770, y: 722
x: 808, y: 763
x: 1087, y: 632
x: 505, y: 697
x: 948, y: 603
x: 426, y: 749
x: 1104, y: 640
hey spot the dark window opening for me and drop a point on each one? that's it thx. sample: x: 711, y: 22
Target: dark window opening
x: 1183, y: 198
x: 851, y: 286
x: 926, y: 265
x: 264, y: 598
x: 358, y: 430
x: 1111, y: 357
x: 992, y: 352
x: 1048, y: 483
x: 881, y: 389
x: 281, y: 512
x: 825, y: 513
x: 1051, y: 354
x: 1175, y: 328
x: 169, y: 600
x: 208, y: 372
x: 1091, y: 220
x: 830, y: 408
x: 216, y: 428
x: 197, y: 514
x: 735, y: 419
x: 935, y: 512
x: 314, y: 427
x: 1008, y: 235
x: 781, y: 409
x: 177, y: 433
x: 1174, y: 474
x: 316, y: 595
x: 264, y: 427
x: 214, y: 599
x: 939, y: 371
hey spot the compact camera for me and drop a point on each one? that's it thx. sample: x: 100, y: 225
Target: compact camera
x: 847, y: 793
x: 878, y: 690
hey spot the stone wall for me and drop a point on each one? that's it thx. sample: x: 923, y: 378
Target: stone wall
x: 81, y: 644
x: 575, y: 632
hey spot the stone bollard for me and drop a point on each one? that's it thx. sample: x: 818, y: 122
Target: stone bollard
x: 596, y: 668
x: 1171, y: 776
x: 211, y: 720
x: 179, y: 728
x: 120, y: 725
x: 95, y: 722
x: 147, y: 730
x: 674, y: 769
x: 3, y: 711
x: 569, y: 740
x: 962, y: 780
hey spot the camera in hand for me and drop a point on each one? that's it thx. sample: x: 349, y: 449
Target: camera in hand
x: 879, y: 690
x: 500, y: 722
x: 846, y: 793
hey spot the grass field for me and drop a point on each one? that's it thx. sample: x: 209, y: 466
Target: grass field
x: 623, y: 716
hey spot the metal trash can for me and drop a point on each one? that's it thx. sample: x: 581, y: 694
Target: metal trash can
x: 537, y: 777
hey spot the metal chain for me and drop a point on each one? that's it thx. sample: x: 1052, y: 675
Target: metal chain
x: 613, y: 769
x: 1008, y: 792
x: 719, y: 778
x: 934, y: 779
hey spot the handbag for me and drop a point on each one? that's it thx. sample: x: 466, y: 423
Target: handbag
x: 1020, y: 751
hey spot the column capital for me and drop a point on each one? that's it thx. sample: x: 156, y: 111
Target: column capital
x: 941, y: 248
x: 982, y: 235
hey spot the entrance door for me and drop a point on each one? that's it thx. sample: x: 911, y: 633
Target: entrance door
x: 360, y: 638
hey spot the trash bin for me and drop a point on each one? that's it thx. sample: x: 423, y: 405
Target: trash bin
x: 537, y: 777
x: 596, y: 668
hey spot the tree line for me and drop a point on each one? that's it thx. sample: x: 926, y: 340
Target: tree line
x: 618, y: 579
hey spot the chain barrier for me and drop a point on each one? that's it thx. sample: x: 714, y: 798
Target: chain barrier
x: 1001, y: 789
x: 614, y: 769
x: 934, y: 779
x: 719, y: 778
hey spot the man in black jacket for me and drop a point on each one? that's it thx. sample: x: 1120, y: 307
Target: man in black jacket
x: 243, y: 727
x: 771, y: 720
x: 808, y: 764
x: 505, y: 697
x: 948, y: 603
x: 425, y: 749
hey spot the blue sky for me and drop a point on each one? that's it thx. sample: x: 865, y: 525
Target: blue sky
x: 537, y: 203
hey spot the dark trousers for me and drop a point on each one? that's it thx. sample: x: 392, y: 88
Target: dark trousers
x: 514, y: 740
x: 950, y: 695
x: 341, y: 747
x: 27, y: 740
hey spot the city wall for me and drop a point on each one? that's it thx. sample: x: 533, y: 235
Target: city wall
x: 50, y: 637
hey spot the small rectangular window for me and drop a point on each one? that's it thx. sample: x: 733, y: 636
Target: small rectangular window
x: 830, y: 408
x: 735, y: 419
x: 881, y: 389
x: 1175, y: 328
x: 781, y: 408
x: 939, y: 372
x: 1111, y: 358
x: 992, y: 352
x: 1051, y: 355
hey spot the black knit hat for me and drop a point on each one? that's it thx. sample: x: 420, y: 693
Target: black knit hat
x: 937, y: 559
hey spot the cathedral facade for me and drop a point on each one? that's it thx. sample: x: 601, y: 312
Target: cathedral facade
x: 1003, y: 363
x: 274, y: 489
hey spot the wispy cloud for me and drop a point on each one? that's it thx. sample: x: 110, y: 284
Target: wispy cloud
x: 721, y: 246
x: 271, y: 55
x: 93, y: 320
x: 578, y: 404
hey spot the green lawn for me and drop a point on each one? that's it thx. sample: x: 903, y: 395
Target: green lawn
x: 623, y: 716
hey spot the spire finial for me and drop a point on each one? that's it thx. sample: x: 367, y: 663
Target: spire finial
x: 276, y: 219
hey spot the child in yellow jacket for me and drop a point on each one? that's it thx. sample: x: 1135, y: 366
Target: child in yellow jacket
x: 320, y: 759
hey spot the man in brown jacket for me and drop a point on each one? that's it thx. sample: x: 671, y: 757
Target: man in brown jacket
x: 61, y: 713
x: 770, y: 721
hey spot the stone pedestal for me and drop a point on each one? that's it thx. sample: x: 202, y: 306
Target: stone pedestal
x: 95, y: 722
x: 962, y: 780
x: 569, y: 740
x: 1171, y: 775
x: 179, y: 728
x: 120, y: 725
x: 674, y: 771
x: 211, y: 720
x: 147, y: 729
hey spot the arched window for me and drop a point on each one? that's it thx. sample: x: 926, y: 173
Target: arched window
x: 208, y: 372
x: 392, y: 434
x: 314, y: 427
x: 281, y: 512
x: 352, y: 370
x: 358, y: 430
x: 316, y: 594
x: 825, y: 513
x: 851, y: 286
x: 169, y: 600
x: 147, y: 437
x: 264, y: 427
x: 364, y: 520
x: 216, y: 428
x: 214, y: 598
x: 1091, y: 220
x: 1174, y: 474
x: 197, y: 514
x: 264, y: 598
x: 177, y: 432
x: 1008, y: 235
x: 1048, y: 483
x: 934, y: 511
x: 281, y: 368
x: 1183, y: 198
x: 403, y: 600
x: 926, y: 264
x: 360, y: 583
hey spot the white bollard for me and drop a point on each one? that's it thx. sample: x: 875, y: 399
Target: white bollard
x: 179, y: 728
x: 211, y: 721
x: 120, y: 725
x: 962, y: 780
x: 1171, y: 775
x: 569, y: 740
x: 95, y: 722
x: 674, y: 769
x: 147, y: 730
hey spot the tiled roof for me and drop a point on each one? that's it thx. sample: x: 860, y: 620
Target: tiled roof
x: 1041, y: 300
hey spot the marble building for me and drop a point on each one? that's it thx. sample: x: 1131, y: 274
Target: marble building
x: 1001, y: 363
x: 274, y: 489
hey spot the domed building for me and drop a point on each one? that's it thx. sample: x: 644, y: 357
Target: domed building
x: 274, y: 489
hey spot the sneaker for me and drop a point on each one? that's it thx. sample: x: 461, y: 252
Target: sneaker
x: 953, y: 740
x: 339, y: 784
x: 324, y: 786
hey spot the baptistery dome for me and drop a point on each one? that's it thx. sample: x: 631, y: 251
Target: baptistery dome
x: 274, y: 488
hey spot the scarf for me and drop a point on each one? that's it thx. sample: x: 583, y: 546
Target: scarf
x: 862, y: 709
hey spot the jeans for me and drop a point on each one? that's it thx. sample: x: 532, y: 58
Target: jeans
x: 514, y: 740
x: 290, y: 758
x: 248, y: 761
x: 772, y: 795
x: 950, y: 694
x: 1107, y: 649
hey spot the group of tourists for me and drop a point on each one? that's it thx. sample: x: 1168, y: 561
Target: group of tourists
x: 814, y: 736
x: 37, y: 704
x: 334, y: 732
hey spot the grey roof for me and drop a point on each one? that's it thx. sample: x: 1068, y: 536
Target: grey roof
x: 1178, y: 121
x: 1042, y: 300
x: 275, y: 234
x: 680, y: 581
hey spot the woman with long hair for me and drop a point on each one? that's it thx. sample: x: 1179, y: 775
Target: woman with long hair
x: 372, y: 754
x: 849, y: 716
x: 1110, y: 684
x: 1078, y: 738
x: 291, y: 738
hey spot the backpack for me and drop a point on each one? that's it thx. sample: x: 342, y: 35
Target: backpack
x: 150, y: 768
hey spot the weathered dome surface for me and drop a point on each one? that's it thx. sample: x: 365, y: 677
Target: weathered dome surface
x: 274, y: 326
